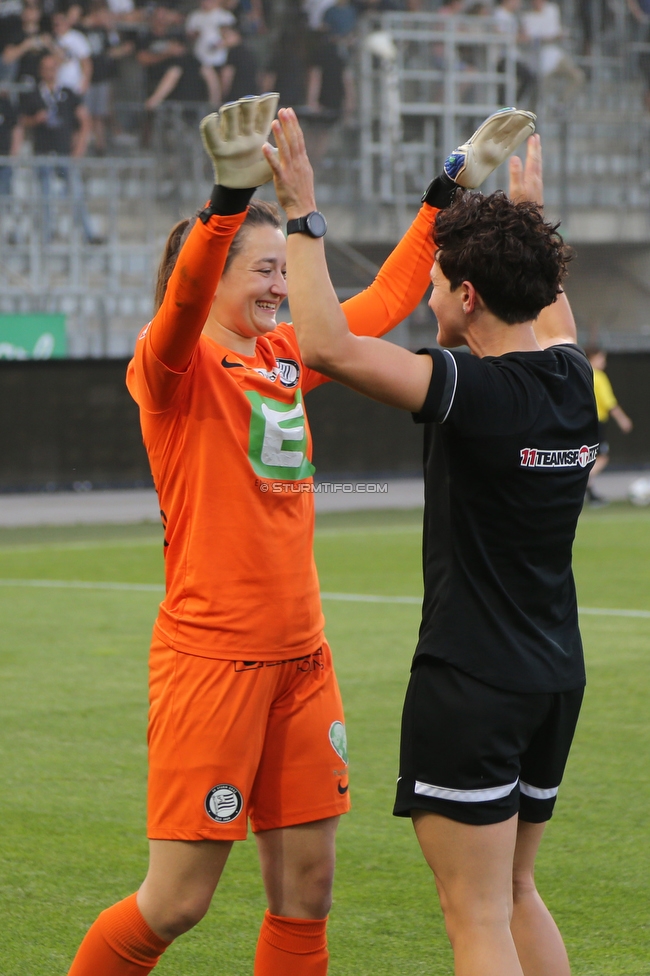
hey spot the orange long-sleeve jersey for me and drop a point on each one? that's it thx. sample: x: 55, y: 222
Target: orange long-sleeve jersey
x: 230, y: 452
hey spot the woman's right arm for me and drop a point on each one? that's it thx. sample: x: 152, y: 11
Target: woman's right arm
x: 164, y: 350
x: 178, y: 323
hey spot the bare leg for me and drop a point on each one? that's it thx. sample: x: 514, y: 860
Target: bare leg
x: 298, y: 868
x: 600, y: 464
x: 211, y: 79
x: 539, y: 944
x: 473, y: 871
x: 227, y: 78
x: 314, y: 84
x: 180, y: 883
x: 164, y: 88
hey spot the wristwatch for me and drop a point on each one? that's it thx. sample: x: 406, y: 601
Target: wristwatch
x: 313, y: 224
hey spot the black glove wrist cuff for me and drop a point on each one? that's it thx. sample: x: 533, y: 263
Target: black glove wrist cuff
x: 226, y: 201
x: 440, y: 192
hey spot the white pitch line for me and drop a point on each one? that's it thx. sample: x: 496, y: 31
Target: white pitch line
x: 368, y: 598
x: 343, y: 597
x: 605, y: 612
x: 84, y: 585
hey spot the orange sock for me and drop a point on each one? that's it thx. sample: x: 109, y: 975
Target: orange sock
x: 118, y: 943
x: 291, y: 947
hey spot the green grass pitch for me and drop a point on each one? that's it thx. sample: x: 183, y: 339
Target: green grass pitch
x: 72, y: 742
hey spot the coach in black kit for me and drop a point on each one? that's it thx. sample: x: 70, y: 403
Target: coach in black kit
x: 510, y: 437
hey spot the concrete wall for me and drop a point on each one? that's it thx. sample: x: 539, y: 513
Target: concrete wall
x: 70, y: 422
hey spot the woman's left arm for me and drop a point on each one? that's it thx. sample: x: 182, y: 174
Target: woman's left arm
x: 401, y: 283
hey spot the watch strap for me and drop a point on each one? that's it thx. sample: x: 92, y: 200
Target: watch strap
x: 298, y: 225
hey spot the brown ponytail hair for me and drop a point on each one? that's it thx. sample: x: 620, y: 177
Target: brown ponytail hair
x: 259, y: 212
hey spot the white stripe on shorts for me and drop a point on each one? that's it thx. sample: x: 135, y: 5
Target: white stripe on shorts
x: 464, y: 796
x: 536, y: 793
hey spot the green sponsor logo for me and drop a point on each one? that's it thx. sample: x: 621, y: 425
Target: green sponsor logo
x: 339, y: 740
x: 277, y: 446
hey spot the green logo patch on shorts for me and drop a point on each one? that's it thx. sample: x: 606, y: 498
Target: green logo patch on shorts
x: 277, y: 446
x: 339, y: 740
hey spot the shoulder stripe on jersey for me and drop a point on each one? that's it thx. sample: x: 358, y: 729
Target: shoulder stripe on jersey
x: 464, y: 796
x: 449, y: 392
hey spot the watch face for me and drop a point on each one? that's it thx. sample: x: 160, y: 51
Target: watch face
x: 316, y: 224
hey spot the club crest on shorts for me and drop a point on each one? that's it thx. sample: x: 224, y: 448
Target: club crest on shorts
x: 223, y: 803
x: 339, y: 740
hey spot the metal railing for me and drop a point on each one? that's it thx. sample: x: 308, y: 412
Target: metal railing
x: 78, y: 236
x: 447, y: 75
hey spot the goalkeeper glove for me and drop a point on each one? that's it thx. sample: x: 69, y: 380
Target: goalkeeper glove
x: 233, y: 138
x: 470, y: 164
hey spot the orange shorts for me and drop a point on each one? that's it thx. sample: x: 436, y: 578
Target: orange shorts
x: 229, y: 740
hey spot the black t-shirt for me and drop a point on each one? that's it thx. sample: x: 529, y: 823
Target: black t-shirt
x: 55, y: 134
x: 509, y: 444
x: 101, y: 41
x: 8, y: 120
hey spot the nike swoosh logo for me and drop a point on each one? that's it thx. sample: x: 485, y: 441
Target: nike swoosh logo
x: 343, y: 789
x: 224, y: 362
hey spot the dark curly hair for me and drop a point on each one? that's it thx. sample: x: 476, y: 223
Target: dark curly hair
x: 512, y: 256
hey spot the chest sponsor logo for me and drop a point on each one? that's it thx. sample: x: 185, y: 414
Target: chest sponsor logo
x: 533, y: 457
x: 277, y: 446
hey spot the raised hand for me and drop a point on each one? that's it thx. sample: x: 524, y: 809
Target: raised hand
x: 292, y: 172
x: 526, y: 182
x: 233, y: 138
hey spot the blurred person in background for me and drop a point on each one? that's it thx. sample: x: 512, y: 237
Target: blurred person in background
x: 24, y: 45
x: 76, y: 68
x: 286, y: 71
x: 506, y: 16
x: 107, y: 48
x: 640, y: 10
x: 61, y: 124
x: 9, y: 21
x: 607, y: 406
x: 171, y: 67
x: 239, y: 76
x: 542, y: 26
x: 340, y: 20
x: 204, y: 28
x: 325, y: 89
x: 10, y: 139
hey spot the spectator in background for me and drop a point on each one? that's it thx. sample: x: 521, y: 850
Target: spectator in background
x: 107, y: 48
x: 325, y: 88
x: 239, y: 76
x: 543, y: 30
x: 75, y: 71
x: 340, y: 21
x: 286, y: 71
x: 640, y: 10
x: 61, y: 126
x: 10, y: 137
x: 507, y: 22
x: 204, y: 27
x: 9, y: 22
x: 24, y: 45
x: 170, y: 66
x: 607, y: 406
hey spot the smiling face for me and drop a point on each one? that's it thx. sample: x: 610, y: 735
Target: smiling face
x: 254, y: 286
x: 450, y: 308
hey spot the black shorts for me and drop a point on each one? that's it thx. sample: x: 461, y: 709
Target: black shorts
x: 480, y: 754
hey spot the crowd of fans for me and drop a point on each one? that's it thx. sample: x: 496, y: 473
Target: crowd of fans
x: 66, y: 64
